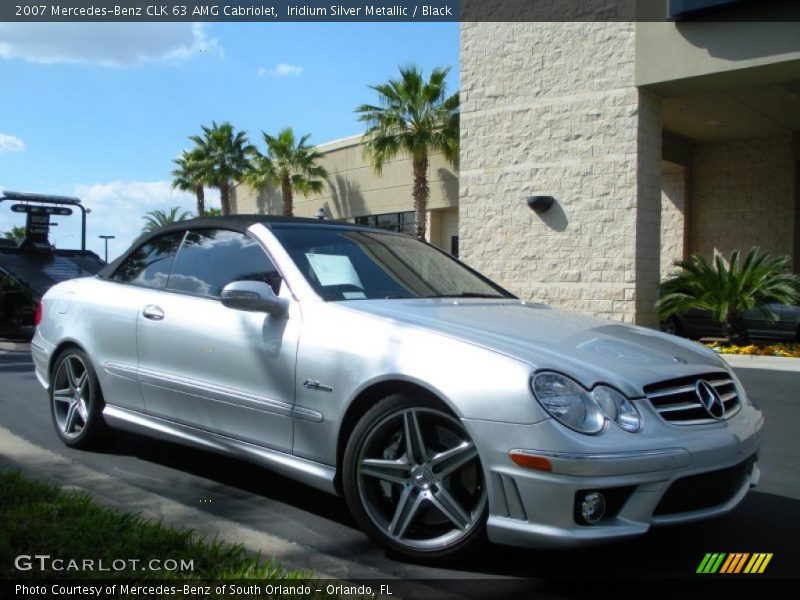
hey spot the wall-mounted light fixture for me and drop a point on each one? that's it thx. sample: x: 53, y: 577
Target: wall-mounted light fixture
x: 540, y: 204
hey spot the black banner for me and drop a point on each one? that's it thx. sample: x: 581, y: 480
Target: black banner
x: 469, y: 588
x: 275, y: 11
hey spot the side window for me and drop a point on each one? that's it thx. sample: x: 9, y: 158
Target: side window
x: 150, y: 264
x: 210, y: 259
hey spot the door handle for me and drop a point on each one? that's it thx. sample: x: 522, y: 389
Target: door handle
x: 153, y: 312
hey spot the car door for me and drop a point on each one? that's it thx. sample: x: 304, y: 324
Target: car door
x: 111, y: 318
x: 784, y: 327
x: 699, y: 324
x: 759, y: 326
x: 214, y: 368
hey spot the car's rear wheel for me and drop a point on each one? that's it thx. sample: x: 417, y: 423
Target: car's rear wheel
x: 76, y: 402
x: 413, y: 480
x: 673, y: 326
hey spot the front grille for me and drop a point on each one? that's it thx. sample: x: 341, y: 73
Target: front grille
x: 678, y: 400
x: 705, y: 490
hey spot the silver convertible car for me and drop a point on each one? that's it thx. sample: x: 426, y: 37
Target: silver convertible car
x: 372, y: 365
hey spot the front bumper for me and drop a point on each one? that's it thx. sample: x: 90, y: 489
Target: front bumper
x: 536, y: 509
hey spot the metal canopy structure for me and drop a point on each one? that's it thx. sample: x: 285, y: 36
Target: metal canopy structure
x: 30, y: 268
x: 43, y: 199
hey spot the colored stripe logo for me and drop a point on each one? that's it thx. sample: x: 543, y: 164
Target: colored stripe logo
x: 735, y: 562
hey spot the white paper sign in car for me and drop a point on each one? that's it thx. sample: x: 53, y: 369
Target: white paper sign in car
x: 333, y: 269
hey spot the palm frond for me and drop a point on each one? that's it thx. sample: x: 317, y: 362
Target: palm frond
x: 288, y: 158
x: 730, y: 288
x: 155, y: 219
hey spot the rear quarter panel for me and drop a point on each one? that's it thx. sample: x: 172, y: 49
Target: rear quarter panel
x: 99, y: 317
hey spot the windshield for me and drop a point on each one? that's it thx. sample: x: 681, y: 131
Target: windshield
x: 346, y: 264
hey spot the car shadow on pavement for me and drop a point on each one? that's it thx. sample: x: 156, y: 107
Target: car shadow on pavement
x: 762, y: 523
x: 231, y: 472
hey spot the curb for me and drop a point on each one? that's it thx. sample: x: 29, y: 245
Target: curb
x: 41, y: 464
x: 774, y: 363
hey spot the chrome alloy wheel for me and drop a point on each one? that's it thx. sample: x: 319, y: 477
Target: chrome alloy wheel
x: 420, y: 480
x: 71, y: 396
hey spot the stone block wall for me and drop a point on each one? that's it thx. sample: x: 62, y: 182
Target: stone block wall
x: 551, y: 108
x: 673, y: 213
x: 743, y: 195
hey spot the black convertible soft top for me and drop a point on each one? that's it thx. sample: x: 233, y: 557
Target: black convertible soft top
x: 238, y: 223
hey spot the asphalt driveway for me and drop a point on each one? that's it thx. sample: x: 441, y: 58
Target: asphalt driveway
x: 766, y: 522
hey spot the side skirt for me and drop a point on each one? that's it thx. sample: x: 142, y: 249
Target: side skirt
x: 306, y: 471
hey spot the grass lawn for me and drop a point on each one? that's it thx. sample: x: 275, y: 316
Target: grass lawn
x: 40, y: 519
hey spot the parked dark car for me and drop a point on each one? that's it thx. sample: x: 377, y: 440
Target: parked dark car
x: 696, y: 324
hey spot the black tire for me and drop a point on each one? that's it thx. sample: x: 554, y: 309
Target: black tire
x: 673, y: 326
x: 456, y: 484
x: 76, y: 406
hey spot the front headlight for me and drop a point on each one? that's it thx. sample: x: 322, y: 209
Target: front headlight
x: 617, y: 408
x: 568, y: 402
x: 585, y: 412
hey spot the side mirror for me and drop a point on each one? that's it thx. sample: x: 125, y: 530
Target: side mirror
x: 255, y: 296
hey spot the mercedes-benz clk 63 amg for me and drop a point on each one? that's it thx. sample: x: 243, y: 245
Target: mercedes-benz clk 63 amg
x: 372, y: 365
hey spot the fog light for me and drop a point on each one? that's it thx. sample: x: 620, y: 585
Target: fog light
x: 593, y: 507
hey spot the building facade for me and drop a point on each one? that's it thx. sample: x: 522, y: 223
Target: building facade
x: 354, y: 192
x: 656, y: 140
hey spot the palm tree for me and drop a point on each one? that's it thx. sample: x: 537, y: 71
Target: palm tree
x: 730, y: 290
x: 158, y: 218
x: 415, y: 117
x: 224, y: 153
x: 189, y: 176
x: 15, y: 233
x: 290, y: 164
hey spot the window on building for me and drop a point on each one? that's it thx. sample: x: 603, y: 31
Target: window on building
x: 402, y: 222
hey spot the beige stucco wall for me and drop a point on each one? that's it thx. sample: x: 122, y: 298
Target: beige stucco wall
x: 673, y: 212
x: 673, y: 57
x: 354, y: 189
x: 742, y: 195
x: 542, y: 115
x: 442, y: 226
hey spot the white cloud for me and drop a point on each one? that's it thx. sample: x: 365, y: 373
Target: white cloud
x: 284, y: 69
x: 261, y: 71
x: 105, y: 44
x: 10, y: 143
x: 118, y: 207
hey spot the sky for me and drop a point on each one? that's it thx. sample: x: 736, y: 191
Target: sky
x: 100, y: 110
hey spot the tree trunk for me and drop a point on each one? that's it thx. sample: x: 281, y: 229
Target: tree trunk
x: 735, y: 329
x: 201, y: 200
x: 420, y: 195
x: 286, y: 189
x: 224, y: 197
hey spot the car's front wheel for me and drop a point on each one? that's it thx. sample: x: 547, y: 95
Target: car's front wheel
x: 76, y: 402
x: 413, y: 480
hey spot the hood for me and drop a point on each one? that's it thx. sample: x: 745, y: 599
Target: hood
x: 588, y: 349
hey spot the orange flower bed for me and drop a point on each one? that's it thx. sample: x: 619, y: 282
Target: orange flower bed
x: 782, y: 350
